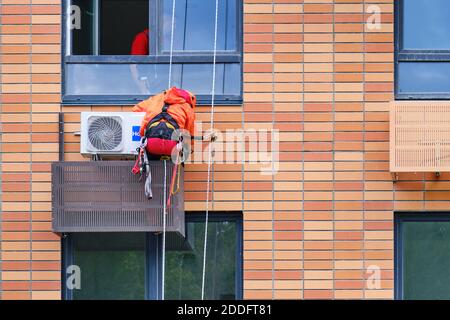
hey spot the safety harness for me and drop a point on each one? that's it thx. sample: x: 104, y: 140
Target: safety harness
x: 157, y: 128
x: 157, y: 142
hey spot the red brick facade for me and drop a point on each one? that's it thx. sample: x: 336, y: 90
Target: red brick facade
x: 315, y: 71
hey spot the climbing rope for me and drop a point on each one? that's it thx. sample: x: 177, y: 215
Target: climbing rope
x: 171, y: 44
x: 164, y: 232
x: 210, y: 154
x: 165, y: 164
x: 211, y: 150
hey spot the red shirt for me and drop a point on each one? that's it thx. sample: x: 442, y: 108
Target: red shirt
x: 140, y: 44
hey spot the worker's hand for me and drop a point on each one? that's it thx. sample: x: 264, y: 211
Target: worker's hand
x: 210, y: 136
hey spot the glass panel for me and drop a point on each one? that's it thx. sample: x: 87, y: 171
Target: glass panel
x: 119, y: 79
x: 194, y: 25
x: 120, y: 23
x: 184, y: 268
x: 424, y: 77
x: 146, y: 79
x: 82, y: 21
x: 109, y: 27
x: 112, y: 265
x: 232, y: 76
x: 426, y: 260
x: 426, y: 24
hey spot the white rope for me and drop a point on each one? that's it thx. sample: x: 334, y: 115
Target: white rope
x: 165, y: 164
x: 171, y: 44
x: 164, y: 232
x: 211, y: 151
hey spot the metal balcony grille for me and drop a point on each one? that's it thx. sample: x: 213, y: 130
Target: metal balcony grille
x: 104, y: 196
x: 420, y: 136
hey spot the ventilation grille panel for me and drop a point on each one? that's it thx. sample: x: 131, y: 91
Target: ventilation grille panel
x: 420, y: 136
x: 104, y: 196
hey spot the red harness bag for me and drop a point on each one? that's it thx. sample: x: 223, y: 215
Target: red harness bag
x: 160, y: 147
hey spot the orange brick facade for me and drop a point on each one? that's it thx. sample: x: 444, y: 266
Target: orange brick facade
x: 314, y: 71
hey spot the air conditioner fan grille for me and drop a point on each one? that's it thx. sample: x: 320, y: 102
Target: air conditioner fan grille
x: 105, y: 133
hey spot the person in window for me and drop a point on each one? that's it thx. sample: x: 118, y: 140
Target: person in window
x: 140, y: 44
x: 140, y: 47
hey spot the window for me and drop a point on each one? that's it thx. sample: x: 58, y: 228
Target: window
x: 422, y: 49
x: 118, y: 51
x: 112, y: 265
x: 184, y: 267
x: 422, y: 256
x: 128, y: 265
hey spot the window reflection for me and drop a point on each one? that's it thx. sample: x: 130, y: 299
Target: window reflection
x: 184, y: 268
x: 112, y: 265
x: 424, y: 77
x: 147, y: 79
x: 426, y: 24
x: 195, y: 24
x: 426, y: 260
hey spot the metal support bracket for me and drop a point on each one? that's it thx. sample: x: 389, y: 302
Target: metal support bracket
x: 394, y: 176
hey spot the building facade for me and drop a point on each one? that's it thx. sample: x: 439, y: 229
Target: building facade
x: 330, y: 223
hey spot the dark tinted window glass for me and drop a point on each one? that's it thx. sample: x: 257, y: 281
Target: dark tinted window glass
x: 108, y: 28
x: 82, y: 26
x: 194, y: 25
x: 426, y: 260
x: 121, y: 21
x: 426, y: 24
x: 112, y: 265
x: 184, y: 268
x: 424, y: 77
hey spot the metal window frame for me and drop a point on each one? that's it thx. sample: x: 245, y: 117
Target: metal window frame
x: 66, y: 261
x: 225, y: 57
x: 399, y: 218
x: 402, y: 55
x: 153, y: 254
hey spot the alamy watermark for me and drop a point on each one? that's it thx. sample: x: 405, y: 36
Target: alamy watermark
x: 74, y: 17
x: 374, y: 20
x: 73, y: 279
x: 373, y: 281
x: 250, y: 146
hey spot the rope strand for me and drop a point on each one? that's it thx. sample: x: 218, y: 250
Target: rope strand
x: 211, y: 151
x: 171, y: 44
x: 163, y: 271
x: 165, y: 165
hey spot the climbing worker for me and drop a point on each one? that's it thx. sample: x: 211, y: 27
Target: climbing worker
x: 165, y: 115
x: 166, y: 112
x: 140, y: 47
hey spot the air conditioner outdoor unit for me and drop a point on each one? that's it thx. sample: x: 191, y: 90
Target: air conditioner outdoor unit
x: 110, y: 133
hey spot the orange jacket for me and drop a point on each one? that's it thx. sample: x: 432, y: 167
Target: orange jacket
x: 182, y: 104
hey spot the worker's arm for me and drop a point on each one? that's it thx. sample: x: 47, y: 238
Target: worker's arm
x: 141, y: 82
x: 139, y: 47
x: 140, y: 107
x: 208, y: 137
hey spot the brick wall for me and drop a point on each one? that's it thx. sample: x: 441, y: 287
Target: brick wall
x: 312, y: 70
x: 324, y: 79
x: 30, y: 252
